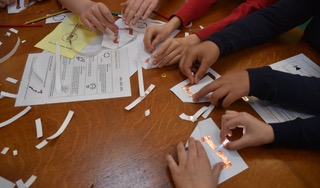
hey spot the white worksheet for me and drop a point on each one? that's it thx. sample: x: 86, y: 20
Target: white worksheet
x: 208, y: 133
x: 271, y: 113
x: 102, y: 76
x: 184, y: 90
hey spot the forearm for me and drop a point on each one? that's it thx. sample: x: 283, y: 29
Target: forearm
x: 286, y: 89
x: 76, y: 6
x: 261, y: 25
x: 301, y: 133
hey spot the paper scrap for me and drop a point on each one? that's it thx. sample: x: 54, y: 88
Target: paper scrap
x: 20, y: 184
x: 23, y: 41
x: 12, y: 51
x: 14, y: 118
x: 63, y: 126
x: 139, y: 99
x: 195, y: 117
x: 12, y: 80
x: 13, y: 30
x: 42, y: 144
x: 5, y: 150
x: 140, y: 80
x: 209, y: 135
x: 208, y: 111
x: 30, y: 181
x: 15, y: 152
x: 39, y: 128
x: 201, y: 27
x: 8, y: 34
x: 4, y: 183
x: 147, y: 112
x: 9, y: 95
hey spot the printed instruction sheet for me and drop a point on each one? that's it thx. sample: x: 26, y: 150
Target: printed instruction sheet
x: 271, y: 113
x: 102, y: 76
x: 208, y: 133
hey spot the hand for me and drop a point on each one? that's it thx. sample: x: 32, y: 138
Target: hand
x: 255, y: 132
x: 136, y: 9
x: 4, y: 3
x: 228, y: 88
x: 98, y: 16
x: 206, y: 53
x: 193, y: 170
x: 156, y: 34
x: 172, y: 50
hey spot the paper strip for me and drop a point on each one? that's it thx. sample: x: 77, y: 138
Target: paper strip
x: 23, y: 41
x: 63, y: 126
x: 195, y: 116
x: 8, y: 34
x: 42, y: 144
x: 30, y: 181
x: 1, y: 43
x: 147, y: 112
x: 5, y: 150
x: 4, y: 183
x: 138, y: 100
x: 15, y: 152
x: 14, y: 118
x: 208, y: 111
x: 39, y: 128
x: 9, y: 95
x: 11, y: 52
x: 13, y: 30
x: 20, y: 184
x: 12, y: 80
x: 58, y: 69
x: 140, y: 79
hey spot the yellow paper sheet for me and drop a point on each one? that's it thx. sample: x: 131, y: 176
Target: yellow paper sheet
x: 81, y: 38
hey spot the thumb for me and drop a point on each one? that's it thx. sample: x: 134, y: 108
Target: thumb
x: 216, y: 170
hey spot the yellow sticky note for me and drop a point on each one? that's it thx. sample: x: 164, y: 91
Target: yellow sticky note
x: 81, y: 38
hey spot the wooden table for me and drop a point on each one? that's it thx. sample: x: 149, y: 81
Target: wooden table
x: 107, y: 146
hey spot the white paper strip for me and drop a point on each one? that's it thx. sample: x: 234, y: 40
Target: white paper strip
x: 15, y: 152
x: 147, y: 112
x: 63, y: 126
x: 4, y: 183
x: 195, y: 116
x: 208, y: 111
x: 8, y: 34
x: 11, y: 52
x: 14, y: 118
x: 58, y: 69
x: 5, y: 150
x: 138, y: 100
x: 42, y: 144
x: 1, y: 43
x: 12, y: 80
x: 30, y: 181
x: 39, y: 128
x: 23, y: 41
x: 20, y: 184
x: 140, y: 79
x: 13, y: 30
x: 9, y: 95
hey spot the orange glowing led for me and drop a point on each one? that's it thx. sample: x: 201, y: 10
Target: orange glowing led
x: 224, y: 158
x: 208, y: 140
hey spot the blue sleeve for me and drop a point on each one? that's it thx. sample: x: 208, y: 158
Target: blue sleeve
x: 264, y: 24
x: 295, y: 91
x: 301, y: 133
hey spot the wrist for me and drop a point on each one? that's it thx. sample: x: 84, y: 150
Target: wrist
x: 174, y: 23
x: 269, y: 134
x: 193, y: 39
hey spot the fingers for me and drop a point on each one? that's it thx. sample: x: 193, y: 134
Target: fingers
x: 130, y: 10
x: 217, y: 168
x: 182, y: 156
x: 171, y: 164
x: 148, y: 38
x: 185, y: 66
x: 192, y: 149
x: 211, y: 87
x: 200, y: 150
